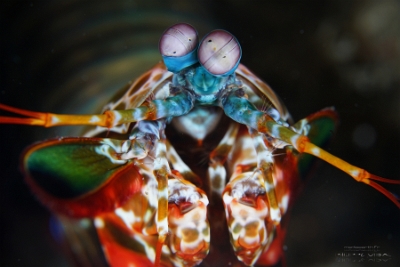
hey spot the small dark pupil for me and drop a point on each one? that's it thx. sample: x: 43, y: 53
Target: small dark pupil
x: 210, y: 41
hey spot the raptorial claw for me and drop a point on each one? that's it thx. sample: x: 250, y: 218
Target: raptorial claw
x: 247, y: 211
x: 189, y: 238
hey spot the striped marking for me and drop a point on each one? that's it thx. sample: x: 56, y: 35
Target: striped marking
x: 107, y: 151
x: 94, y: 119
x: 284, y: 203
x: 294, y: 139
x: 316, y: 151
x: 217, y: 176
x: 54, y: 120
x: 98, y: 223
x: 355, y: 173
x: 128, y: 217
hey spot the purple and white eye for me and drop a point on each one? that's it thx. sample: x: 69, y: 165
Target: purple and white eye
x: 178, y: 40
x: 219, y: 52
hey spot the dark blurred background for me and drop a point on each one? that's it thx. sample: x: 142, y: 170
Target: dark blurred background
x: 69, y: 56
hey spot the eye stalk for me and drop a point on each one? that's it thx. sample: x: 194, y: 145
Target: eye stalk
x: 219, y: 53
x: 178, y: 47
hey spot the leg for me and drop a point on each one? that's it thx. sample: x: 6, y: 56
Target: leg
x: 246, y: 203
x: 242, y: 111
x: 216, y: 169
x: 182, y: 210
x: 265, y: 164
x: 172, y: 106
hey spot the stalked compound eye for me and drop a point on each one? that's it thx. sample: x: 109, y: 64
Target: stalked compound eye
x: 178, y: 40
x: 219, y: 53
x: 178, y: 47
